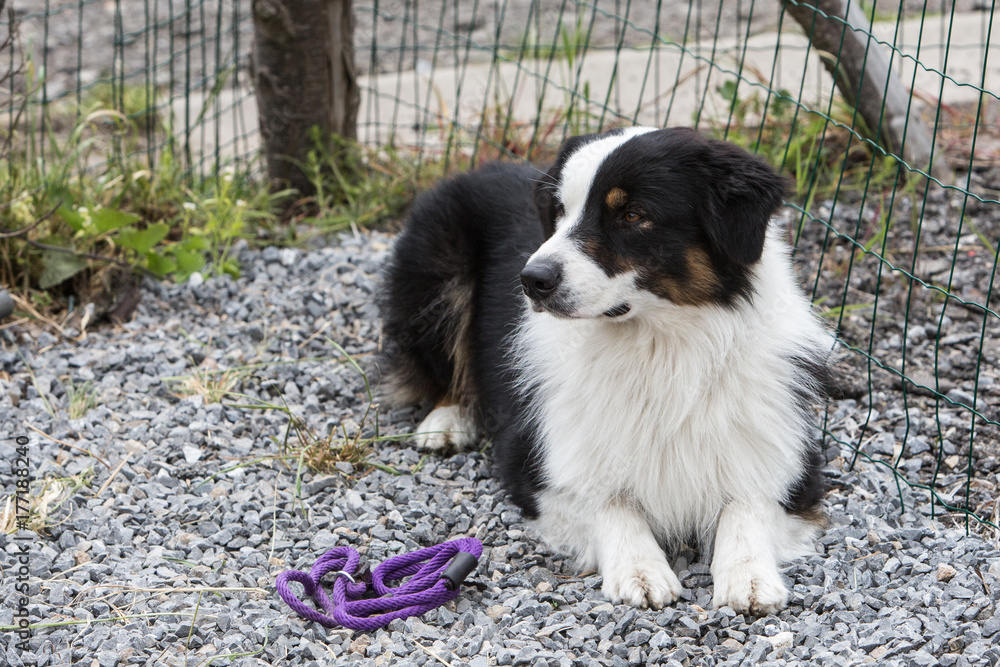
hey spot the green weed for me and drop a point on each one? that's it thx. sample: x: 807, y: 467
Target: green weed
x: 359, y: 187
x: 81, y: 398
x: 985, y: 240
x: 68, y: 223
x: 876, y: 14
x: 569, y: 44
x: 94, y: 203
x: 568, y: 53
x: 300, y: 445
x: 351, y: 443
x: 38, y: 388
x: 837, y: 312
x: 136, y: 103
x: 499, y: 136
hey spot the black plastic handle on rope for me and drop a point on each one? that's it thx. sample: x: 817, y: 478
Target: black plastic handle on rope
x: 460, y: 567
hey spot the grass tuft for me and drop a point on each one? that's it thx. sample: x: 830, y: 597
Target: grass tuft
x: 81, y: 398
x: 352, y: 441
x: 356, y: 186
x: 212, y: 385
x: 44, y: 502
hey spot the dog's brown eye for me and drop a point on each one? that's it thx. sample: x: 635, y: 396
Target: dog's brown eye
x: 632, y: 217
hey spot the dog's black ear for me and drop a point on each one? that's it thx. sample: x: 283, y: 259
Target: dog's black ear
x: 549, y: 206
x: 747, y: 192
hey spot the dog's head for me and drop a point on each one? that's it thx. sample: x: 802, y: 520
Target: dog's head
x: 641, y: 215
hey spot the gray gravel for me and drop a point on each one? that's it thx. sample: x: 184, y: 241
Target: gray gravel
x: 181, y: 531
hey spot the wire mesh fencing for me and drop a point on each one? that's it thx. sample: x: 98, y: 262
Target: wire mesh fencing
x: 899, y: 255
x: 176, y: 71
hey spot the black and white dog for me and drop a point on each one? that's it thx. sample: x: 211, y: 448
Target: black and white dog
x: 632, y: 339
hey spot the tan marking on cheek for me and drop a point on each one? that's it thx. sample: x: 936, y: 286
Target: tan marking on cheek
x: 699, y: 286
x: 616, y: 198
x: 702, y: 282
x: 669, y: 288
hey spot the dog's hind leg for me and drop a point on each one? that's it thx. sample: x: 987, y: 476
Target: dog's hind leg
x: 450, y: 424
x: 446, y: 427
x: 451, y: 286
x: 435, y: 365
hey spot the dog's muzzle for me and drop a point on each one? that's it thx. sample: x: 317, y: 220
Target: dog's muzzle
x: 542, y: 281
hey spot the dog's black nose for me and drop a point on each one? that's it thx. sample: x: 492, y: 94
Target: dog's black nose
x: 541, y: 277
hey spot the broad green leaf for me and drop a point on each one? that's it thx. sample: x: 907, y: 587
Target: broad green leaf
x: 71, y: 217
x: 231, y: 267
x: 142, y: 240
x: 188, y: 261
x: 194, y: 243
x: 58, y: 266
x: 159, y: 264
x: 728, y: 91
x: 106, y: 219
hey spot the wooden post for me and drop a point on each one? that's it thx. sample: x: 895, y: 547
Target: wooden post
x: 864, y: 78
x: 303, y: 69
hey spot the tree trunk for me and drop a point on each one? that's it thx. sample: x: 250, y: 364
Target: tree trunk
x: 303, y: 68
x: 861, y: 69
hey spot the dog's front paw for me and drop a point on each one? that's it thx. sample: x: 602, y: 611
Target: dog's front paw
x: 750, y: 588
x: 445, y: 428
x: 643, y: 583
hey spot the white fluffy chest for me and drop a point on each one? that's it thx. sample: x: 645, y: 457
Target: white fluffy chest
x: 679, y: 426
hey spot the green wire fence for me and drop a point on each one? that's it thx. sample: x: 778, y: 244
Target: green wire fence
x: 176, y: 68
x: 899, y: 253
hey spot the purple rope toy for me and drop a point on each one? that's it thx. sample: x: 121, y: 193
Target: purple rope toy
x: 435, y: 575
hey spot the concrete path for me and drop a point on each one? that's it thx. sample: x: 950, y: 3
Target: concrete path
x: 668, y: 85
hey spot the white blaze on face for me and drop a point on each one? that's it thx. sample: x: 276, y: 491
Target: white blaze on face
x: 577, y: 177
x: 585, y: 284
